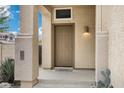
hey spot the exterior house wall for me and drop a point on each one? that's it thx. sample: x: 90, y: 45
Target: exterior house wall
x: 101, y: 53
x: 116, y: 45
x: 84, y: 46
x: 111, y: 22
x: 103, y: 15
x: 109, y: 39
x: 46, y: 38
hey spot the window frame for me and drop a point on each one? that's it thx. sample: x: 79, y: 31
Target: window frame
x: 63, y: 9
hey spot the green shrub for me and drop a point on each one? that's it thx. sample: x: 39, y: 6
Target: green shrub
x: 106, y: 83
x: 7, y: 70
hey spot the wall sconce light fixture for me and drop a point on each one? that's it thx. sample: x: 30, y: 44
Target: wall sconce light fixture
x: 86, y: 32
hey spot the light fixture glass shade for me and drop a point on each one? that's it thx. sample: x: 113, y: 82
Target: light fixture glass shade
x: 86, y: 32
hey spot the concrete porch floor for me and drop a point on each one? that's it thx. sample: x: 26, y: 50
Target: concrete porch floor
x: 65, y: 78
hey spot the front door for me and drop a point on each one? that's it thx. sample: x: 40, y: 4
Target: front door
x: 64, y: 46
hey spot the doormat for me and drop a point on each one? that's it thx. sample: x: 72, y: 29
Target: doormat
x: 70, y: 69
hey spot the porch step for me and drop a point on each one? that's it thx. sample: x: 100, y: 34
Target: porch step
x: 63, y: 84
x: 65, y: 78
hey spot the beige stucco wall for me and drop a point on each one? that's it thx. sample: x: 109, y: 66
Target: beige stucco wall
x: 84, y: 46
x: 102, y: 25
x: 112, y: 22
x: 116, y: 46
x: 46, y: 38
x: 101, y: 53
x: 35, y: 56
x: 106, y: 16
x: 7, y: 50
x: 27, y: 70
x: 111, y: 25
x: 23, y: 68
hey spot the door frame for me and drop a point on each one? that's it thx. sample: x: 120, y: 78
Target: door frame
x: 73, y: 33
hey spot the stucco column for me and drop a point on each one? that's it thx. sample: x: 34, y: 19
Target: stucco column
x: 101, y: 43
x: 26, y: 47
x: 47, y: 56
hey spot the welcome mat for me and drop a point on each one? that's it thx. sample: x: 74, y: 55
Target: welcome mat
x: 63, y: 69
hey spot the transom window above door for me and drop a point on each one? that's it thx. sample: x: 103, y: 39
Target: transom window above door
x: 63, y: 13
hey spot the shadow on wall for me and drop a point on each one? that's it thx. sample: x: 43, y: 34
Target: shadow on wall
x: 40, y: 55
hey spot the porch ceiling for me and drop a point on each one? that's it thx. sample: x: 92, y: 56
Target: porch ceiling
x: 57, y: 6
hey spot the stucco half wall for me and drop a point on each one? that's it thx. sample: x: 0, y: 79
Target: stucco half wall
x: 7, y: 50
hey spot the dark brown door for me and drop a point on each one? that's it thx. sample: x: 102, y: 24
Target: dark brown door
x: 64, y: 46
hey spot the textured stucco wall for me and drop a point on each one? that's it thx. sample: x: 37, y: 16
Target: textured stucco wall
x: 103, y: 15
x: 23, y: 68
x: 116, y: 46
x: 7, y: 51
x: 112, y: 21
x: 101, y: 53
x: 84, y: 46
x: 27, y: 70
x: 35, y: 56
x: 46, y: 39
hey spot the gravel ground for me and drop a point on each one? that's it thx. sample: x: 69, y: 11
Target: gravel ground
x: 8, y: 85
